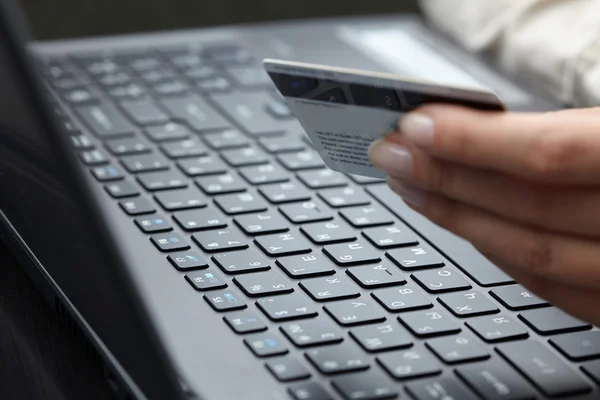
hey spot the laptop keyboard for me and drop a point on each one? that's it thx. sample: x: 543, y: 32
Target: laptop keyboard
x: 325, y: 285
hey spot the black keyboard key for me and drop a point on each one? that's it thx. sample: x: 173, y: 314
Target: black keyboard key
x: 391, y: 236
x: 305, y: 212
x: 458, y: 349
x: 337, y: 359
x: 180, y: 199
x: 495, y: 380
x: 239, y: 262
x: 516, y: 297
x: 337, y: 287
x: 312, y: 332
x: 169, y: 242
x: 578, y: 346
x: 187, y: 260
x: 244, y: 157
x: 468, y: 304
x: 264, y: 174
x: 144, y: 113
x: 446, y: 388
x: 120, y: 147
x: 184, y: 148
x: 69, y: 127
x: 309, y: 391
x: 301, y: 160
x: 137, y: 206
x: 168, y: 131
x: 221, y: 184
x: 593, y: 370
x: 324, y: 178
x: 93, y: 157
x: 157, y: 75
x: 261, y: 224
x: 497, y: 328
x: 410, y: 364
x: 122, y: 189
x: 128, y: 92
x: 376, y: 276
x: 404, y: 298
x: 197, y: 220
x: 154, y: 181
x: 364, y: 386
x: 377, y: 338
x: 156, y: 223
x: 415, y: 258
x: 204, y: 165
x: 355, y: 312
x: 245, y: 322
x: 225, y: 300
x: 551, y: 321
x: 365, y: 180
x: 114, y: 79
x: 545, y: 369
x: 226, y: 139
x: 305, y: 266
x: 81, y: 142
x: 251, y: 77
x: 144, y: 163
x: 287, y: 192
x: 241, y: 203
x: 205, y: 280
x: 247, y: 110
x: 281, y: 144
x: 284, y: 244
x: 215, y: 84
x: 200, y: 72
x: 196, y: 112
x: 427, y: 323
x: 346, y: 254
x: 107, y: 173
x: 441, y: 281
x: 80, y: 95
x: 99, y: 65
x: 263, y: 284
x: 288, y: 307
x: 221, y: 240
x: 344, y: 197
x: 287, y: 369
x: 466, y: 257
x: 105, y: 121
x: 266, y: 345
x: 328, y: 232
x: 279, y: 110
x: 171, y: 88
x: 364, y: 217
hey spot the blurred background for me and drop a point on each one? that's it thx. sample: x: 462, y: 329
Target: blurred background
x: 53, y: 19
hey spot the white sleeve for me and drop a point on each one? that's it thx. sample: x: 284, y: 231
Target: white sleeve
x: 555, y: 43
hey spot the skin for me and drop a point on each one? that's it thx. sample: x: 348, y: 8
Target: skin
x: 522, y: 188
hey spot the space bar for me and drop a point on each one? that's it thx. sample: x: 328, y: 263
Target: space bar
x: 457, y: 250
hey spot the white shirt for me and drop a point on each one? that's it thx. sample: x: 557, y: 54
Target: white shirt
x: 556, y: 43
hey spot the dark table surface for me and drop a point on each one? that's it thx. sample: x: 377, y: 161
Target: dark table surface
x: 39, y: 355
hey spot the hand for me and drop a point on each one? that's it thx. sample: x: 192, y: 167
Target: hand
x: 522, y: 188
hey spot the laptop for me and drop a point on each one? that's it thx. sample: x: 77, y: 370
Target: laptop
x: 162, y: 197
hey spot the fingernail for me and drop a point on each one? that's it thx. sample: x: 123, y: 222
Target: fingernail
x: 392, y: 158
x: 418, y: 129
x: 412, y: 195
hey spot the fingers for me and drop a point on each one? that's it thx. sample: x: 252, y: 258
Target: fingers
x: 560, y: 147
x: 581, y: 303
x: 564, y: 209
x: 546, y: 255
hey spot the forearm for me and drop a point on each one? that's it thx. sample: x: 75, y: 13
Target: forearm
x: 556, y: 43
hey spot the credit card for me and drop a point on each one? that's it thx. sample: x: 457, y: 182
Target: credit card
x: 344, y: 110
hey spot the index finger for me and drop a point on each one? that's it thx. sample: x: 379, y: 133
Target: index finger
x: 560, y: 147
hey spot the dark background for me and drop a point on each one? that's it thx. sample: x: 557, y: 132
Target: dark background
x: 40, y: 357
x: 68, y: 18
